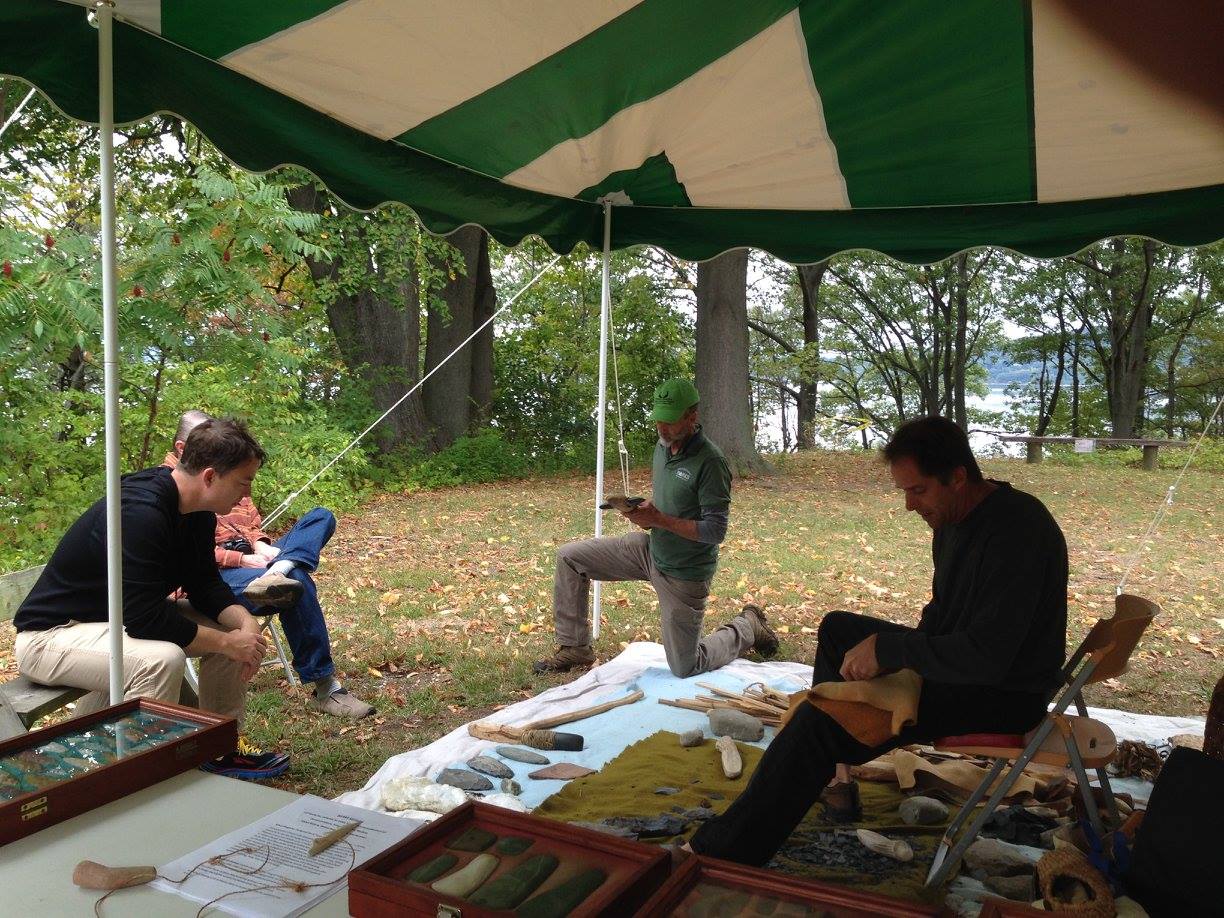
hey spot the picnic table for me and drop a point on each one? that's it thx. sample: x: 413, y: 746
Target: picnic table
x: 1033, y: 445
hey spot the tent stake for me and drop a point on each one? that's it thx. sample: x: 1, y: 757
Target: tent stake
x: 605, y: 311
x: 110, y: 347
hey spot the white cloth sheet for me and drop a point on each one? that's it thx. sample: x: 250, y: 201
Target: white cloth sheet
x: 643, y: 665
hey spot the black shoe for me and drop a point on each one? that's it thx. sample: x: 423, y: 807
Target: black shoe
x: 841, y: 802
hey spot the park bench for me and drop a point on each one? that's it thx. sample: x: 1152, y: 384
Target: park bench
x: 1033, y: 445
x: 22, y: 702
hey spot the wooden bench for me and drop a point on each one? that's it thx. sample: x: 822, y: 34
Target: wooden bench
x: 1033, y: 445
x: 22, y: 702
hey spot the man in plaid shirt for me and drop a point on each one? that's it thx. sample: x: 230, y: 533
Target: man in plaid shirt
x: 267, y: 575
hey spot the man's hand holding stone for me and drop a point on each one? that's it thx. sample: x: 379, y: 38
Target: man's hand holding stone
x: 645, y: 516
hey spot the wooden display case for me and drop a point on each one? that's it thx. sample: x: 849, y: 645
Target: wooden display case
x: 1006, y: 908
x: 382, y: 887
x: 53, y: 774
x: 708, y: 886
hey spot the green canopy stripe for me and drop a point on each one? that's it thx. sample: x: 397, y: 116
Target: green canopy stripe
x: 219, y: 27
x: 915, y: 116
x: 653, y: 182
x: 920, y: 235
x: 777, y: 155
x: 650, y: 49
x: 52, y: 46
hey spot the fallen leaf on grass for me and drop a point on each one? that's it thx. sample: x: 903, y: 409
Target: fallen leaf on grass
x: 376, y: 673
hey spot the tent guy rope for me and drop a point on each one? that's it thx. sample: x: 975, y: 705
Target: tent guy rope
x: 288, y: 501
x: 1168, y: 502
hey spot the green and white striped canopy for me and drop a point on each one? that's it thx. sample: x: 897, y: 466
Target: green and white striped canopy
x: 913, y: 127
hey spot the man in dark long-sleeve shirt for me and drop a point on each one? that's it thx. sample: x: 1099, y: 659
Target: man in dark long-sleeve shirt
x: 169, y: 517
x: 989, y: 646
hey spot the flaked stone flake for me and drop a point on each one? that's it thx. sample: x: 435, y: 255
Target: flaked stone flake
x: 561, y: 771
x: 489, y: 766
x: 464, y: 780
x: 519, y: 754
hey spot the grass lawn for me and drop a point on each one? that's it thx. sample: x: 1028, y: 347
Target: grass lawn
x: 438, y: 602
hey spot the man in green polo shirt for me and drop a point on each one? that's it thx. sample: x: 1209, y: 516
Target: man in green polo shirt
x: 685, y: 521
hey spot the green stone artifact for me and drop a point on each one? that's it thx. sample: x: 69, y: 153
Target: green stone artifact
x: 512, y: 844
x: 463, y: 881
x: 562, y: 899
x: 472, y: 839
x: 513, y: 886
x: 430, y: 871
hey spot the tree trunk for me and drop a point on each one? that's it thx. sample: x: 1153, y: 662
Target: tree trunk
x: 482, y: 344
x: 810, y: 279
x: 448, y: 393
x: 1130, y: 307
x: 379, y: 340
x: 722, y: 360
x: 1075, y: 382
x: 960, y: 299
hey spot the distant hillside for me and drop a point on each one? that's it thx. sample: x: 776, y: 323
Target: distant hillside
x: 1001, y: 372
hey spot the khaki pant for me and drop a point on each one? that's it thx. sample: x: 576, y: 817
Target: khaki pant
x: 681, y: 602
x: 78, y: 655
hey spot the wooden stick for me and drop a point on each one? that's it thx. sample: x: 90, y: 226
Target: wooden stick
x: 549, y: 722
x: 323, y: 842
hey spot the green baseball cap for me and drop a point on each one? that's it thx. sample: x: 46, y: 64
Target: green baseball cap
x: 672, y: 399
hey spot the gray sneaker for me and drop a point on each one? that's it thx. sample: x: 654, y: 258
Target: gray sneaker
x: 565, y: 659
x: 274, y: 589
x: 342, y: 704
x: 764, y: 640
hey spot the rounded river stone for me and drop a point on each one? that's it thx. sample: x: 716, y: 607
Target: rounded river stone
x: 691, y: 738
x: 736, y: 724
x: 923, y: 811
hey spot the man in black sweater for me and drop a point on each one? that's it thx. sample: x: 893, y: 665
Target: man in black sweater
x: 169, y: 518
x: 989, y: 645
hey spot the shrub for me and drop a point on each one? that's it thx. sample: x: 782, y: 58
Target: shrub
x: 482, y: 457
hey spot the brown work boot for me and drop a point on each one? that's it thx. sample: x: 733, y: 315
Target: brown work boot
x: 565, y: 659
x: 841, y: 801
x: 273, y: 589
x: 764, y: 641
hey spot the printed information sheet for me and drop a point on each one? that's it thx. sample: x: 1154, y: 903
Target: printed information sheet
x: 263, y: 861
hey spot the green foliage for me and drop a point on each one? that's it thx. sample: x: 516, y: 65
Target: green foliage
x: 546, y: 357
x: 482, y: 457
x: 1209, y: 457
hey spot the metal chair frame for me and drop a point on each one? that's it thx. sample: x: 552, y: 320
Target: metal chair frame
x: 268, y: 623
x: 1102, y: 655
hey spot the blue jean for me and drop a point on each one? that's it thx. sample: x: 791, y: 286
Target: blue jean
x: 304, y: 626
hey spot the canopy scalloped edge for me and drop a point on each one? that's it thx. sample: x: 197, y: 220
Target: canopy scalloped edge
x: 52, y: 47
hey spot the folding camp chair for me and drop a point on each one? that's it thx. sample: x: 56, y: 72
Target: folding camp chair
x: 268, y: 624
x: 1061, y: 739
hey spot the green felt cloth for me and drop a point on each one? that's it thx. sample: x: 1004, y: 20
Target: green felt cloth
x: 625, y: 787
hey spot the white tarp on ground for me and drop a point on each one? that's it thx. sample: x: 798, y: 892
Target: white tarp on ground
x: 643, y: 665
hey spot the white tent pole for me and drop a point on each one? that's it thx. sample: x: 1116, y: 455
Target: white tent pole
x: 605, y: 318
x: 110, y: 349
